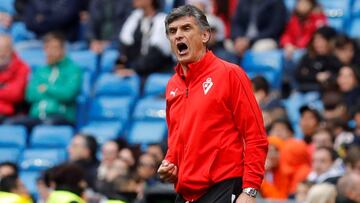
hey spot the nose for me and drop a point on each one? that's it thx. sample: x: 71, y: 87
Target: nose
x: 178, y: 35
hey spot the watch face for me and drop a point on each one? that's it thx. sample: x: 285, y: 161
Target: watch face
x: 251, y: 192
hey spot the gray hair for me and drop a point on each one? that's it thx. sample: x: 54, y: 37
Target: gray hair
x: 190, y: 11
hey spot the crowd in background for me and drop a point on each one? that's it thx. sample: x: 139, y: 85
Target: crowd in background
x: 316, y: 159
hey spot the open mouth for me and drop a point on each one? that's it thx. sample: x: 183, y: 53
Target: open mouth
x: 182, y: 47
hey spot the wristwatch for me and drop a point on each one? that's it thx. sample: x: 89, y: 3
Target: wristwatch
x: 250, y: 191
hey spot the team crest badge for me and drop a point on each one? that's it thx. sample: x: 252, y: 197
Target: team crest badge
x: 207, y: 85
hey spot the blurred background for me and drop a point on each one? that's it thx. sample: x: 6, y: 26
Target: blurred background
x: 82, y: 95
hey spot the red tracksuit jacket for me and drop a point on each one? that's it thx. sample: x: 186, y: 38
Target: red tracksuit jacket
x: 215, y: 127
x: 13, y: 81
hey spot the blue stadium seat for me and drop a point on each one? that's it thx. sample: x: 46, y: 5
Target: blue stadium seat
x: 150, y: 109
x: 147, y: 132
x: 13, y: 136
x: 29, y: 179
x: 337, y: 12
x: 111, y: 108
x: 112, y: 85
x: 41, y: 159
x: 290, y: 5
x: 108, y: 59
x: 86, y: 59
x: 103, y: 131
x: 155, y: 84
x: 33, y: 57
x: 268, y: 63
x: 44, y: 136
x: 7, y: 6
x: 354, y: 27
x: 9, y: 154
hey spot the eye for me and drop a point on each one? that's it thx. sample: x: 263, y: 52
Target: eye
x: 172, y: 31
x: 187, y: 28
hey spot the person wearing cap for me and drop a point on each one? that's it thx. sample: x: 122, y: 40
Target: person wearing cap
x: 217, y: 143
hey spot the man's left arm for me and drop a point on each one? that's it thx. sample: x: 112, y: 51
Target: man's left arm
x: 248, y: 119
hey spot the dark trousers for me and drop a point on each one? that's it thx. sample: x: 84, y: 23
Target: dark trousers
x: 222, y: 192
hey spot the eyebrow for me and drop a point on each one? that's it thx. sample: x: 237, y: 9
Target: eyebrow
x: 184, y: 25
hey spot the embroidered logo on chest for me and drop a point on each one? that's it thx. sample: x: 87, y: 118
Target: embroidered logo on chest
x: 207, y: 85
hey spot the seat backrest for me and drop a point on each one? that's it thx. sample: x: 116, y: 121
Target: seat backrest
x: 147, y: 132
x: 12, y: 136
x: 9, y: 154
x: 111, y: 108
x: 103, y: 131
x: 155, y: 84
x: 41, y: 159
x: 150, y: 109
x: 109, y: 84
x: 51, y: 136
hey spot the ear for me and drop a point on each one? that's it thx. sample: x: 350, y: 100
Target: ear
x: 206, y: 36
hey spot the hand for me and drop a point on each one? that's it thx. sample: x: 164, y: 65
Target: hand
x: 42, y: 88
x: 241, y: 45
x: 244, y: 198
x: 125, y: 72
x: 289, y: 51
x: 323, y: 76
x: 168, y: 171
x: 97, y: 46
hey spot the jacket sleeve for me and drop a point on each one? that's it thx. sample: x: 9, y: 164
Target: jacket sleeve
x: 287, y: 37
x: 249, y: 122
x: 67, y: 92
x: 14, y: 90
x: 32, y: 93
x: 170, y: 153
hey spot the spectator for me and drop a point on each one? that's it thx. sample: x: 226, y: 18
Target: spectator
x: 13, y: 78
x: 130, y: 156
x: 282, y: 129
x: 356, y: 118
x: 53, y: 89
x: 156, y: 151
x: 306, y: 18
x: 352, y: 159
x: 82, y: 151
x: 348, y: 188
x: 145, y: 173
x: 296, y: 162
x: 343, y: 135
x: 63, y: 16
x: 334, y: 106
x: 318, y: 65
x: 225, y: 9
x: 302, y: 190
x: 257, y: 24
x: 323, y: 137
x: 272, y: 108
x: 106, y: 20
x: 143, y: 39
x: 324, y: 167
x: 321, y: 193
x: 13, y: 190
x: 345, y: 49
x: 309, y: 121
x: 43, y: 185
x: 348, y: 82
x: 217, y: 41
x: 69, y: 184
x: 107, y: 183
x: 8, y: 169
x: 275, y: 184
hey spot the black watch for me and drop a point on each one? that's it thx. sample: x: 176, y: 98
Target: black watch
x: 250, y: 191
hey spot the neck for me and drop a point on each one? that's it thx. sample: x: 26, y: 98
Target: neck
x: 149, y: 11
x: 185, y: 66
